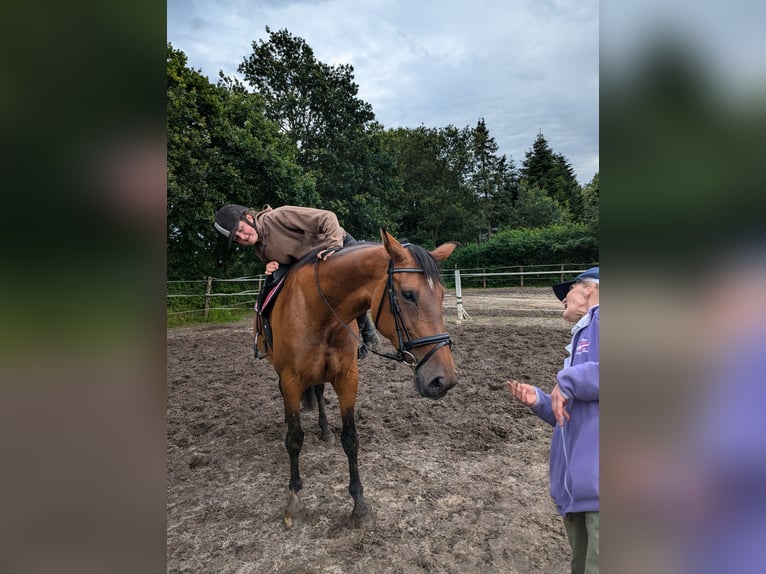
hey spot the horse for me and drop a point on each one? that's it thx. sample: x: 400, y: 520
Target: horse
x: 315, y: 340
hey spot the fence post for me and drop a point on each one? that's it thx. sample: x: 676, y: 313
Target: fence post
x: 521, y: 268
x: 461, y: 314
x: 484, y: 278
x: 207, y: 295
x: 562, y: 273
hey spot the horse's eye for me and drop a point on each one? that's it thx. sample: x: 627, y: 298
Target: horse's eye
x: 409, y: 296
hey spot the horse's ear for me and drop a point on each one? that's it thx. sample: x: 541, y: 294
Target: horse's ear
x: 394, y: 248
x: 444, y: 250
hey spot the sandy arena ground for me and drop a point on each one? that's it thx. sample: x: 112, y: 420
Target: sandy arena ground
x: 458, y: 485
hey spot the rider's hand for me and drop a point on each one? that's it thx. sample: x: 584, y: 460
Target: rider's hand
x: 327, y: 253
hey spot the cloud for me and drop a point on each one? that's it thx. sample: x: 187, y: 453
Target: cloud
x: 524, y: 66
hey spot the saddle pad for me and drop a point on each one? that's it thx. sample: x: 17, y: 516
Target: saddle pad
x: 269, y: 296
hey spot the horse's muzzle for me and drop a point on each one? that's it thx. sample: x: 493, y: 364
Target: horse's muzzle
x: 436, y: 388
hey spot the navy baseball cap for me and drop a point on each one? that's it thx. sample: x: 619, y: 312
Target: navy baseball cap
x: 227, y: 219
x: 562, y: 289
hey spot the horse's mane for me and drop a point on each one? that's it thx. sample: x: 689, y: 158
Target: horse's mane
x: 312, y: 255
x: 308, y: 258
x: 423, y: 259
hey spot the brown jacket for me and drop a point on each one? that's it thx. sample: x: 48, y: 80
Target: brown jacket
x: 287, y: 233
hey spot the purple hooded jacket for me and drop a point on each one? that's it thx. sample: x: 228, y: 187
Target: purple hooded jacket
x: 574, y: 446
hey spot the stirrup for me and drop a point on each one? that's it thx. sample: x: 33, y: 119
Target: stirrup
x: 257, y: 352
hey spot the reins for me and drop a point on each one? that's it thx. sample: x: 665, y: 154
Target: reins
x: 405, y: 343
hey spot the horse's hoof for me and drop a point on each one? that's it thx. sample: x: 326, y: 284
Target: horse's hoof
x: 364, y: 520
x: 328, y: 438
x: 293, y: 514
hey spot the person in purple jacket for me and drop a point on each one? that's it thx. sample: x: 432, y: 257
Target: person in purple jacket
x: 572, y: 409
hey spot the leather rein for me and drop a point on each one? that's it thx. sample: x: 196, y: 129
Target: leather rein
x: 404, y: 342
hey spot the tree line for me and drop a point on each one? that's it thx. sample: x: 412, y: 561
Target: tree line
x: 295, y: 132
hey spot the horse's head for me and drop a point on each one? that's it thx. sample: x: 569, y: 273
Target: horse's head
x: 409, y: 313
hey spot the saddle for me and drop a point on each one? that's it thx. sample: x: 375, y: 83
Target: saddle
x: 263, y: 308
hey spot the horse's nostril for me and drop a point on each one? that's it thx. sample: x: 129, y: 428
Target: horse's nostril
x: 436, y: 386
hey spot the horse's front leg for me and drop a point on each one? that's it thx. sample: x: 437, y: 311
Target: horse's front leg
x: 293, y: 513
x: 361, y: 516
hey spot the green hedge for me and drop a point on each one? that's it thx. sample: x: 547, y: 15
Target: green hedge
x: 541, y: 246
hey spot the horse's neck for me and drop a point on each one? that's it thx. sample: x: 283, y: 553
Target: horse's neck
x: 355, y: 278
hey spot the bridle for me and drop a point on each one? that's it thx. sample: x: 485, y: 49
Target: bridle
x: 404, y: 342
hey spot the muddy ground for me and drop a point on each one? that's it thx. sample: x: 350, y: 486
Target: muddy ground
x: 458, y: 485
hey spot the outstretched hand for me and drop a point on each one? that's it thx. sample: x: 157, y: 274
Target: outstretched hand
x: 522, y: 392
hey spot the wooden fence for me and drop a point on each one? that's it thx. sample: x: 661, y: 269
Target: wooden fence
x: 199, y: 297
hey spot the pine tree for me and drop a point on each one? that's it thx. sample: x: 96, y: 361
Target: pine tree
x: 553, y: 174
x: 485, y: 170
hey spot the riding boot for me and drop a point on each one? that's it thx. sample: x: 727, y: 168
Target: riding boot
x: 260, y: 345
x: 370, y: 337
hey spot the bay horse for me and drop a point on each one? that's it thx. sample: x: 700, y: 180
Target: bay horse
x: 315, y: 339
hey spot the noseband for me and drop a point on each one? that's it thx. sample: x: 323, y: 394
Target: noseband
x: 405, y: 343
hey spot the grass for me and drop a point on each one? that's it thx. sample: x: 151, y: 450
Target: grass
x: 197, y: 317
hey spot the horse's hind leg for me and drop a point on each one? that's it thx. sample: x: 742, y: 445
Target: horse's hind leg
x: 307, y: 399
x: 293, y: 513
x: 327, y: 435
x: 315, y: 395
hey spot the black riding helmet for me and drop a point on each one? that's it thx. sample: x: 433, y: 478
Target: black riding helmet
x: 227, y: 219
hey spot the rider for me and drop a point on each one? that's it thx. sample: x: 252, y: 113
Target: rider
x: 283, y: 235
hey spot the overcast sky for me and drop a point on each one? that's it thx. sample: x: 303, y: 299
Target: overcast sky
x: 525, y: 66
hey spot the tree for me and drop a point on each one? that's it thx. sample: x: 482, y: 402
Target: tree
x: 506, y: 194
x: 258, y: 159
x: 485, y: 167
x: 539, y: 165
x: 192, y: 108
x: 534, y: 208
x: 435, y: 203
x: 566, y: 190
x: 552, y: 173
x: 591, y: 205
x: 334, y: 131
x: 221, y: 149
x: 312, y: 102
